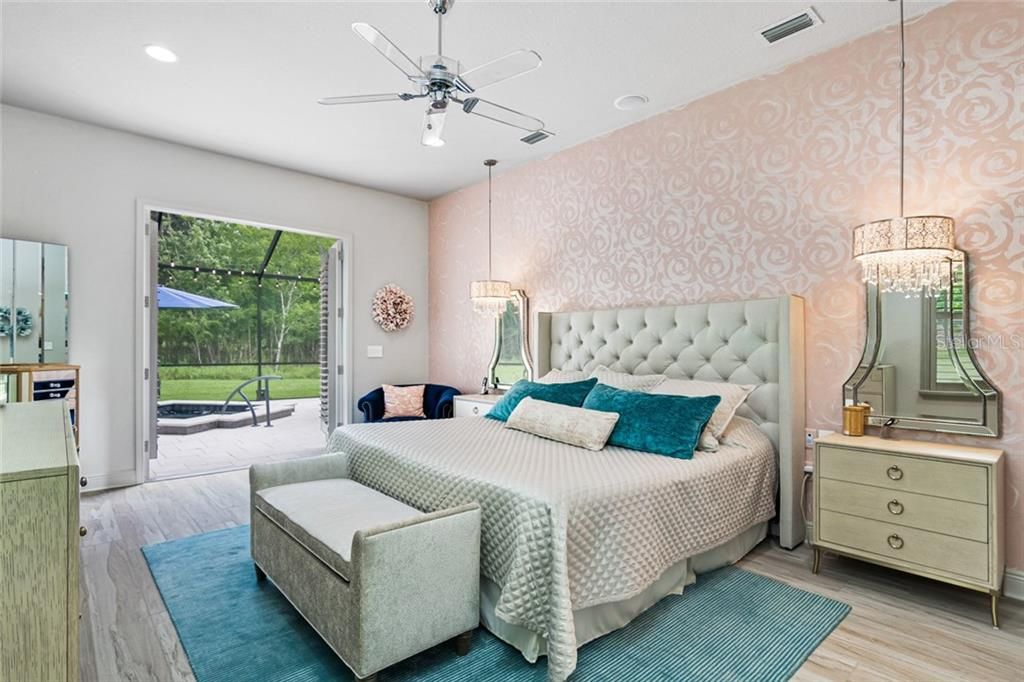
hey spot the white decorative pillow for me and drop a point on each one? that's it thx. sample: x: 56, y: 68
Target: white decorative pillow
x: 588, y: 429
x: 562, y: 376
x: 732, y: 395
x: 627, y: 382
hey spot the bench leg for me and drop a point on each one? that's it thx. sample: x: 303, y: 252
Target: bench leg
x: 260, y: 575
x: 462, y: 643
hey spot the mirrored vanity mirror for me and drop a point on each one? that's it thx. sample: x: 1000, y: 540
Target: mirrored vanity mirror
x: 33, y: 302
x: 511, y: 359
x: 918, y: 365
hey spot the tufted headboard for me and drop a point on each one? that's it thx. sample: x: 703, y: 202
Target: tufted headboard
x: 743, y: 342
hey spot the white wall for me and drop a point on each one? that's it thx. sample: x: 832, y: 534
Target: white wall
x: 77, y: 184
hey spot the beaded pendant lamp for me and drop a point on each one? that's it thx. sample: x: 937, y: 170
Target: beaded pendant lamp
x: 907, y: 254
x: 489, y: 296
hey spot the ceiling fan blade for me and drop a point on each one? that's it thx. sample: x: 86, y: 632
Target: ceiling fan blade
x: 501, y: 69
x: 363, y: 99
x: 496, y: 112
x: 390, y: 51
x: 433, y: 127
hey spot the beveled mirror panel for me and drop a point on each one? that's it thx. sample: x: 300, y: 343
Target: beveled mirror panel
x: 511, y: 359
x: 918, y: 365
x: 33, y: 302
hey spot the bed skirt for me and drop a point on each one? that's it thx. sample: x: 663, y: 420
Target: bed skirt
x: 597, y: 621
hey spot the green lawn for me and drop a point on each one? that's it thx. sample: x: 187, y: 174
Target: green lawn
x: 215, y: 383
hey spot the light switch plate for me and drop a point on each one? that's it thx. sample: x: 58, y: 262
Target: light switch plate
x: 375, y: 351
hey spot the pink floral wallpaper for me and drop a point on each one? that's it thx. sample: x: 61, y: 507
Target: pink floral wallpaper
x: 754, y: 190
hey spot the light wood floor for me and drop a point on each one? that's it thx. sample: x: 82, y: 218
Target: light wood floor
x: 900, y: 628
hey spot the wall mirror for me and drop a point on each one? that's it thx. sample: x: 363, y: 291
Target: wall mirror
x: 33, y: 302
x: 918, y: 365
x: 511, y: 359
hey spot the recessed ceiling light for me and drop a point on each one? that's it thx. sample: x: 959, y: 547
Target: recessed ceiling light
x: 161, y: 54
x: 630, y: 102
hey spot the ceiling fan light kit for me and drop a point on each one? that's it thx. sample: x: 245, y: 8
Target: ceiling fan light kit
x: 440, y: 80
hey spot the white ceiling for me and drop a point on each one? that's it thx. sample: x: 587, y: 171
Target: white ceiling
x: 250, y: 73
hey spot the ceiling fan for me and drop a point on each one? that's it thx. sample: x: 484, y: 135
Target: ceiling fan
x: 442, y: 81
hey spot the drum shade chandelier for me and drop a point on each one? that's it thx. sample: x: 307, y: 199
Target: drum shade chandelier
x: 908, y: 254
x: 489, y: 296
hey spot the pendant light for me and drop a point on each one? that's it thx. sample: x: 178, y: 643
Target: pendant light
x: 906, y: 254
x: 489, y: 296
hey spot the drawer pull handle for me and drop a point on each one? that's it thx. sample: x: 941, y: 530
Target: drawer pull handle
x: 476, y: 410
x: 895, y: 541
x: 894, y: 472
x: 895, y: 507
x: 82, y: 530
x: 83, y: 481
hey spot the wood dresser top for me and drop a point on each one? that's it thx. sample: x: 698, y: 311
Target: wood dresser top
x: 950, y: 451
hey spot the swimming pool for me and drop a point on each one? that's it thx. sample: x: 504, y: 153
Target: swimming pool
x: 185, y: 417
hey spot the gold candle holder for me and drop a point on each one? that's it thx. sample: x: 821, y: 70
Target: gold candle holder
x: 854, y: 419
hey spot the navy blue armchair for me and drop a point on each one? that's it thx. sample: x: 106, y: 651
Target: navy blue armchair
x: 438, y: 403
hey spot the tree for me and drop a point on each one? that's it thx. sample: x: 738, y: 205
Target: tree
x: 290, y: 316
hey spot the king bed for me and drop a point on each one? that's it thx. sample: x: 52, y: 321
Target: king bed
x: 577, y: 543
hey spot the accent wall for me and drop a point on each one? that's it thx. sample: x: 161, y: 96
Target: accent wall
x: 754, y: 190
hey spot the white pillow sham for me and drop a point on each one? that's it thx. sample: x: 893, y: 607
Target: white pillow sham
x: 732, y: 395
x: 562, y: 376
x: 588, y: 429
x: 627, y: 382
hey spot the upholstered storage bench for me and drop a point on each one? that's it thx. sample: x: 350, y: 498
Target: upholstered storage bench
x: 378, y: 580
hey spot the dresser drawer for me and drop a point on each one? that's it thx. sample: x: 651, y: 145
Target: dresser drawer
x: 953, y: 480
x: 941, y: 515
x: 920, y: 548
x: 47, y: 384
x: 469, y: 408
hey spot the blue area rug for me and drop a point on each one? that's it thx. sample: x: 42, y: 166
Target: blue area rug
x: 731, y: 625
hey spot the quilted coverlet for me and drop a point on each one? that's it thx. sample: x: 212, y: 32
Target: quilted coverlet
x: 565, y: 528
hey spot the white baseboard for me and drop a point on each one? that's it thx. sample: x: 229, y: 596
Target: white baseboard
x: 114, y: 479
x: 1013, y: 584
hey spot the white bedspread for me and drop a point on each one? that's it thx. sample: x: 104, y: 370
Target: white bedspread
x: 566, y: 528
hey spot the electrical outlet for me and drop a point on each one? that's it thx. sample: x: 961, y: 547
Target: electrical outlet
x: 809, y: 436
x: 808, y: 467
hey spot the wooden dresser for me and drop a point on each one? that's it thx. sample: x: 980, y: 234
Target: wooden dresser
x: 931, y: 509
x: 39, y: 543
x: 50, y: 381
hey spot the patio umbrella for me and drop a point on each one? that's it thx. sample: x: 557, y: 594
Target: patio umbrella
x: 167, y: 297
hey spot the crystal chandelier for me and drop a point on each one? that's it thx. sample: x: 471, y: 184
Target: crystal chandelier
x: 908, y: 254
x: 489, y: 296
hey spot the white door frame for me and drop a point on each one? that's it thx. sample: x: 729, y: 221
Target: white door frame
x: 145, y: 314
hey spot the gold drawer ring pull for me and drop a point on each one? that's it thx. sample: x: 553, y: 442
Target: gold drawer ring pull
x: 895, y: 507
x: 895, y: 541
x: 894, y: 472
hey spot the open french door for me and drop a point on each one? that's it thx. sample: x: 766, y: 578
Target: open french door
x: 334, y: 398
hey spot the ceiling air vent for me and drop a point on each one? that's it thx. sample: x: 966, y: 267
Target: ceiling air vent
x: 792, y: 25
x: 534, y: 138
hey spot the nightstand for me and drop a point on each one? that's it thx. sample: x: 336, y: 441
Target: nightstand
x: 931, y: 509
x: 475, y: 405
